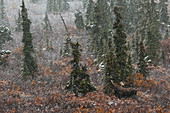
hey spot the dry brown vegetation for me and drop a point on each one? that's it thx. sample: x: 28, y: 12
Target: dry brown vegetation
x: 46, y: 93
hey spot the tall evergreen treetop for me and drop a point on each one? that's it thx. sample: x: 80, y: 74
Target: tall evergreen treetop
x: 120, y: 44
x: 30, y: 64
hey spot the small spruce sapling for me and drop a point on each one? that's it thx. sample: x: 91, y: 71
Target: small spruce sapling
x: 79, y: 80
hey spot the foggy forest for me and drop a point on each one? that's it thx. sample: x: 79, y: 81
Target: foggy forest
x: 84, y: 56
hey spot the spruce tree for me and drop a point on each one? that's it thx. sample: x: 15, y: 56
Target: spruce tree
x: 102, y: 18
x: 66, y: 50
x: 129, y: 62
x: 5, y: 35
x: 137, y: 10
x: 163, y: 57
x: 120, y: 44
x: 47, y: 25
x: 79, y: 80
x: 112, y: 3
x: 18, y: 25
x: 163, y: 4
x: 57, y: 6
x: 164, y: 17
x: 47, y: 43
x: 100, y: 27
x: 111, y: 70
x: 142, y: 63
x: 49, y: 7
x: 4, y: 55
x: 85, y: 3
x: 166, y: 34
x: 133, y: 15
x: 73, y: 84
x: 124, y: 6
x: 79, y: 20
x: 51, y: 45
x: 130, y: 69
x: 29, y: 62
x: 135, y: 47
x: 3, y: 17
x: 85, y: 86
x: 61, y: 52
x: 89, y: 14
x: 149, y: 30
x: 142, y: 24
x: 65, y: 5
x: 2, y: 11
x: 153, y: 35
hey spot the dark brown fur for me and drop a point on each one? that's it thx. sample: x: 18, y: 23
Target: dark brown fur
x: 121, y: 92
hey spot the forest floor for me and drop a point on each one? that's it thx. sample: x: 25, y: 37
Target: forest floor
x: 46, y: 93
